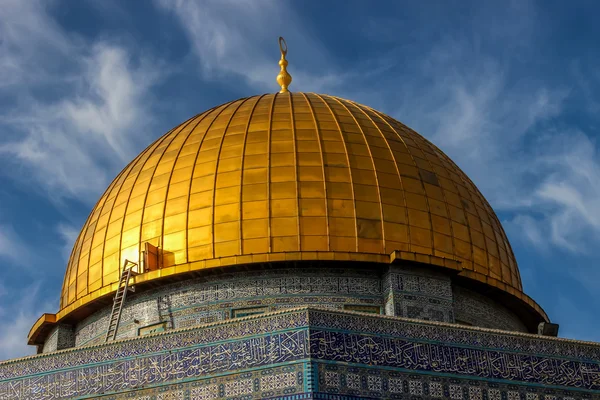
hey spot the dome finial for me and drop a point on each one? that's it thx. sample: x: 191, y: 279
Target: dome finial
x: 284, y: 79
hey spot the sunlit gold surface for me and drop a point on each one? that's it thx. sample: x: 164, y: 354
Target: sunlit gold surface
x: 288, y: 177
x: 284, y: 78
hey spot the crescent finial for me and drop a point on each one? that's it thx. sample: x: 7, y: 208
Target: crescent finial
x: 284, y: 78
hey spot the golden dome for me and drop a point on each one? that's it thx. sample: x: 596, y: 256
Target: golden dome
x: 289, y: 176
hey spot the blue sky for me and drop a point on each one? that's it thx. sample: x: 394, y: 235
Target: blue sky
x: 509, y: 90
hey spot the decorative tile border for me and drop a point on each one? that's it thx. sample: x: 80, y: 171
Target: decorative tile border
x: 269, y: 383
x: 171, y: 340
x: 479, y: 310
x: 372, y: 350
x: 165, y: 367
x: 348, y: 382
x: 455, y: 334
x: 208, y: 299
x: 419, y: 294
x: 333, y: 338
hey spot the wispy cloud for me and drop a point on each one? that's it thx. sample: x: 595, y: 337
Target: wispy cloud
x: 218, y: 33
x: 19, y: 309
x: 71, y: 143
x: 28, y: 35
x: 570, y: 191
x: 73, y: 111
x: 512, y: 136
x: 12, y: 247
x: 68, y: 234
x: 502, y: 134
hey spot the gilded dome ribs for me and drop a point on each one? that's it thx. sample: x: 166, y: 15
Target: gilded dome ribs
x: 99, y: 208
x: 151, y: 178
x: 409, y: 191
x: 341, y: 214
x: 322, y: 165
x: 138, y: 162
x: 201, y: 243
x: 380, y: 233
x: 395, y: 229
x: 269, y: 194
x: 296, y: 178
x: 228, y: 238
x: 290, y: 176
x: 429, y: 177
x: 242, y: 185
x: 166, y: 213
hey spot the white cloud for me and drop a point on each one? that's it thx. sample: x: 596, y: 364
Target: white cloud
x: 570, y: 190
x: 12, y: 247
x: 526, y: 226
x: 73, y: 111
x: 68, y: 234
x: 239, y: 38
x: 28, y: 35
x: 18, y: 318
x: 501, y: 133
x: 72, y: 142
x: 519, y: 135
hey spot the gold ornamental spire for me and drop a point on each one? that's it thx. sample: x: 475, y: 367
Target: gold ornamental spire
x: 284, y: 79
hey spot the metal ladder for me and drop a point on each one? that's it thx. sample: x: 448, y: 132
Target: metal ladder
x: 119, y: 299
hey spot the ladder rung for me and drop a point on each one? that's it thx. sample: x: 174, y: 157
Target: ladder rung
x: 119, y: 298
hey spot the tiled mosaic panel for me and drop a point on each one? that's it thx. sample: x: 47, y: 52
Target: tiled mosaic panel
x: 409, y: 293
x: 286, y: 381
x: 162, y: 368
x: 359, y: 382
x: 143, y: 346
x: 418, y: 280
x: 448, y: 359
x: 479, y: 310
x: 354, y: 340
x: 192, y: 303
x: 453, y: 334
x: 51, y: 341
x: 62, y: 337
x: 418, y: 293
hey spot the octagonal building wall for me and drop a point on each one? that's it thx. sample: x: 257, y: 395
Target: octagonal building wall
x: 406, y: 291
